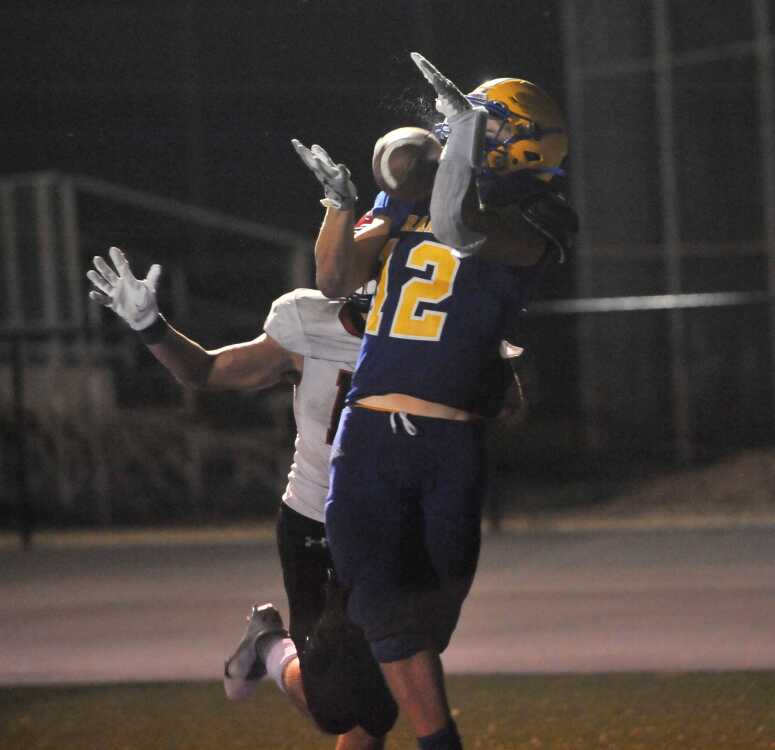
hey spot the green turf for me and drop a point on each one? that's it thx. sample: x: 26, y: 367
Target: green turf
x: 565, y: 712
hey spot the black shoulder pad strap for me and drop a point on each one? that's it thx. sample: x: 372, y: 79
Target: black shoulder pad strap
x: 550, y: 214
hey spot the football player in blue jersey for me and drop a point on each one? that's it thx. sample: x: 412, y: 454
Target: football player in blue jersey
x: 403, y: 513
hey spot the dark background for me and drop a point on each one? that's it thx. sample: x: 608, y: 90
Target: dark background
x: 199, y: 100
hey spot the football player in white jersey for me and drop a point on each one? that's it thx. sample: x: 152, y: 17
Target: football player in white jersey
x: 312, y: 342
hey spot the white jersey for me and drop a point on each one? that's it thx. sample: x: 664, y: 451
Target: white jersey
x: 307, y: 323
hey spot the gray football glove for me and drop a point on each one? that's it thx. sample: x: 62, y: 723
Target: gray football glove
x: 338, y: 188
x: 130, y: 298
x: 450, y: 100
x: 460, y: 159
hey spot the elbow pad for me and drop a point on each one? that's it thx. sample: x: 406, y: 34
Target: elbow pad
x: 461, y: 157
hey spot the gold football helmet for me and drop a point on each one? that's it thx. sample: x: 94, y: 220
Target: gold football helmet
x: 529, y: 129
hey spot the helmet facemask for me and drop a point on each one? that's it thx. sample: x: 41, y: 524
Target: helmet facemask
x: 513, y: 144
x: 525, y: 130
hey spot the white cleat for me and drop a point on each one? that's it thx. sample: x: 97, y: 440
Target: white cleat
x: 263, y: 622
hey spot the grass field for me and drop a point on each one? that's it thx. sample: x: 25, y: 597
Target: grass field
x: 564, y: 712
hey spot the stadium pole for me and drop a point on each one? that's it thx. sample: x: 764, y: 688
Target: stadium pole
x: 765, y: 79
x: 23, y: 504
x: 671, y: 232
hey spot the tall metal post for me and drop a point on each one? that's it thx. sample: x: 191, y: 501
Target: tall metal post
x: 671, y: 236
x: 44, y: 222
x: 74, y: 273
x: 194, y: 467
x: 10, y: 255
x: 574, y: 105
x: 765, y: 80
x: 10, y: 258
x: 24, y: 506
x: 86, y: 349
x: 46, y: 233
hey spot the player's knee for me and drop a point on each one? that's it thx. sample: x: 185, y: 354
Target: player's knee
x: 424, y: 619
x: 399, y: 646
x: 343, y: 684
x: 340, y: 699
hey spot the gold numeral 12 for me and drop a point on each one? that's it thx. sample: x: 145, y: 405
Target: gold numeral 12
x: 408, y: 322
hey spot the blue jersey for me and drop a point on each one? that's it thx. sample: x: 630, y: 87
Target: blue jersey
x: 437, y: 320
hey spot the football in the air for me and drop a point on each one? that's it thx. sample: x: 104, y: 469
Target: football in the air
x: 405, y: 161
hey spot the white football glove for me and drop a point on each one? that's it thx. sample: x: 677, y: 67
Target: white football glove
x: 338, y: 188
x: 130, y: 298
x: 450, y: 100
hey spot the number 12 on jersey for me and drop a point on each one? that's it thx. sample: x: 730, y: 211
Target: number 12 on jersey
x: 408, y: 322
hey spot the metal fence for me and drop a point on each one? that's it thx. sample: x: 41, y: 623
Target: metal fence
x: 83, y: 406
x: 672, y: 117
x: 94, y: 431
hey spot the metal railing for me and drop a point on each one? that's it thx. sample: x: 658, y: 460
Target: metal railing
x: 50, y: 226
x: 66, y: 330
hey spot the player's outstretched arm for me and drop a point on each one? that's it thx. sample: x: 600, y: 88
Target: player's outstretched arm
x: 255, y: 364
x: 509, y: 235
x: 251, y: 365
x: 345, y: 259
x: 343, y: 262
x: 460, y: 159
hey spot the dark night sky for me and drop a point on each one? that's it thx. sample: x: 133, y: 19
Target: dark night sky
x: 198, y: 100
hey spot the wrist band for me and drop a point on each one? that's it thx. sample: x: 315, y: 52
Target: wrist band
x: 155, y: 332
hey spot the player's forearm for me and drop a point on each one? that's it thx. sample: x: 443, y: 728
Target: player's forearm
x: 336, y: 267
x: 189, y: 363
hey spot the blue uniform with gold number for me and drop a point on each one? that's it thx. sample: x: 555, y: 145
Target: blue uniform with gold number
x: 437, y: 320
x: 403, y: 514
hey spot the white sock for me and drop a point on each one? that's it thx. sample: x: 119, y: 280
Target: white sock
x: 276, y: 653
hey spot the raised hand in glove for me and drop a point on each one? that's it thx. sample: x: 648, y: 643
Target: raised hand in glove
x: 339, y: 190
x: 450, y: 100
x: 130, y: 298
x: 459, y: 163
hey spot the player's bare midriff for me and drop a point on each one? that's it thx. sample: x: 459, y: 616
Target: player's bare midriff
x: 418, y: 406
